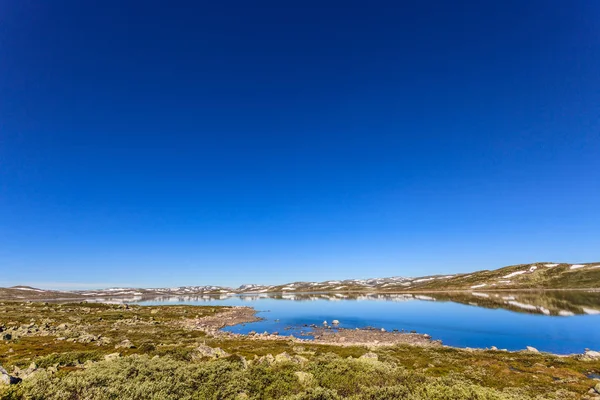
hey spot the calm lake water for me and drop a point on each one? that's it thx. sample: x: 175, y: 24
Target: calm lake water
x: 558, y: 322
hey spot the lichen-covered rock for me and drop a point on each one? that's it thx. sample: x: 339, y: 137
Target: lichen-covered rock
x: 6, y: 379
x: 211, y: 352
x: 369, y: 357
x: 112, y: 356
x: 305, y: 378
x: 283, y: 357
x: 125, y: 344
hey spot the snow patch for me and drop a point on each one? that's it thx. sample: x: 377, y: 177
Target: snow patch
x: 423, y: 280
x: 30, y: 289
x: 514, y: 274
x: 577, y: 266
x: 550, y: 265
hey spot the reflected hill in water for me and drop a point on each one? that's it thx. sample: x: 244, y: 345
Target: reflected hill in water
x: 554, y: 303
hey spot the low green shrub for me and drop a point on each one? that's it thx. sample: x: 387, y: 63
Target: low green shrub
x: 140, y: 377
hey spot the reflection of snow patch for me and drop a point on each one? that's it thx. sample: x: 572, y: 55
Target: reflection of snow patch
x: 545, y: 311
x: 565, y: 313
x: 421, y: 297
x: 521, y: 305
x: 577, y: 266
x: 508, y: 298
x: 591, y: 311
x: 480, y: 294
x: 514, y: 274
x: 503, y: 281
x: 478, y: 286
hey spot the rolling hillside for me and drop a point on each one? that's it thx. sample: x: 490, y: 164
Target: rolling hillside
x: 542, y: 275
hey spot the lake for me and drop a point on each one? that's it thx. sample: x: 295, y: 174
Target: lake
x: 559, y: 322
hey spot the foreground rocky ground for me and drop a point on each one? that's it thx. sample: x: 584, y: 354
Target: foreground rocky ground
x: 100, y: 351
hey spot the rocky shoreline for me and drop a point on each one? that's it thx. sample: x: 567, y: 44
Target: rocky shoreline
x: 332, y: 335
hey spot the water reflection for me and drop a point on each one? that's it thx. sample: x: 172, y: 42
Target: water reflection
x: 556, y: 303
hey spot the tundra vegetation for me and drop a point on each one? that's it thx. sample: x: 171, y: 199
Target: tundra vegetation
x: 102, y: 351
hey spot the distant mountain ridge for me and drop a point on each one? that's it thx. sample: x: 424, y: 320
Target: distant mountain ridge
x: 541, y: 275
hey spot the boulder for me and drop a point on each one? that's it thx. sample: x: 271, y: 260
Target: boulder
x: 597, y: 388
x: 300, y: 359
x: 211, y: 352
x: 268, y: 359
x: 125, y: 344
x: 87, y: 338
x: 6, y: 336
x: 592, y: 354
x: 370, y: 356
x: 6, y: 379
x: 305, y: 378
x: 532, y: 349
x: 283, y: 357
x: 112, y: 356
x: 335, y: 322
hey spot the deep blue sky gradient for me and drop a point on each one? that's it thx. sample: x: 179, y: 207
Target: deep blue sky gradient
x: 167, y: 143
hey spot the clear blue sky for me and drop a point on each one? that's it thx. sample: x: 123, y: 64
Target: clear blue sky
x: 170, y: 143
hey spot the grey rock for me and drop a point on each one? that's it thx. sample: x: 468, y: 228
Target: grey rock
x: 592, y: 354
x: 125, y: 344
x: 211, y: 352
x: 112, y: 356
x: 268, y: 359
x: 6, y: 379
x: 283, y: 357
x: 370, y: 356
x: 305, y: 378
